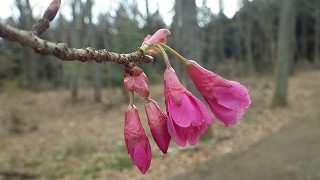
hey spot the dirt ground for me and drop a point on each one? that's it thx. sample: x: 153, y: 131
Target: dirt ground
x: 46, y: 136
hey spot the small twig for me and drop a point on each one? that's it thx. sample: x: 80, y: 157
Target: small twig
x: 63, y: 52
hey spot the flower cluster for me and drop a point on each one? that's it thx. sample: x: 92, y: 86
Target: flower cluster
x: 186, y: 117
x: 137, y: 142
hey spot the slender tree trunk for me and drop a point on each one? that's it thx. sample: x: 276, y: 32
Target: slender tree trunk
x: 284, y: 53
x: 93, y: 43
x: 248, y: 43
x: 304, y: 38
x: 190, y: 34
x: 177, y: 33
x: 29, y: 59
x: 238, y: 38
x: 147, y: 12
x: 97, y: 82
x: 273, y: 50
x: 220, y: 44
x: 75, y: 42
x: 317, y: 36
x: 96, y: 72
x: 191, y: 44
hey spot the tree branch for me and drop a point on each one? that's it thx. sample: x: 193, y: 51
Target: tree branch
x: 60, y: 50
x: 63, y: 52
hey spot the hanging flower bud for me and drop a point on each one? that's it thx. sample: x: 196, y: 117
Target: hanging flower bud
x: 157, y: 122
x: 136, y: 80
x: 137, y: 142
x: 188, y: 116
x: 226, y: 99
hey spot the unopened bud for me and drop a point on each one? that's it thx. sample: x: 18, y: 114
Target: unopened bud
x: 52, y: 10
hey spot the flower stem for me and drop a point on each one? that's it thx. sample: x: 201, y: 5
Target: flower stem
x: 165, y: 56
x: 132, y: 97
x: 173, y: 52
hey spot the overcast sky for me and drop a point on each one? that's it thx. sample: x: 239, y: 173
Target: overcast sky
x: 7, y: 7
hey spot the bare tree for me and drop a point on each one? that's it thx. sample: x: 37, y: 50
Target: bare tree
x: 284, y: 54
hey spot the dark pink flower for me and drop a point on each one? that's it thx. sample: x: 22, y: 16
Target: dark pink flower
x: 136, y: 80
x: 137, y: 142
x: 188, y: 116
x: 157, y: 122
x: 150, y: 42
x: 226, y: 99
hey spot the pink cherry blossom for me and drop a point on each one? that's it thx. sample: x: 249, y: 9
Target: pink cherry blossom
x: 137, y: 81
x: 157, y: 37
x: 137, y: 142
x: 188, y: 116
x: 149, y: 43
x: 226, y: 99
x: 157, y: 121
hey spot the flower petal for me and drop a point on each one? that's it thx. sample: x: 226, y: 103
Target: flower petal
x: 141, y: 158
x: 184, y: 113
x: 159, y: 36
x: 141, y: 87
x: 176, y: 133
x: 225, y: 115
x: 233, y: 97
x: 193, y: 135
x: 206, y: 116
x: 129, y: 83
x: 160, y: 141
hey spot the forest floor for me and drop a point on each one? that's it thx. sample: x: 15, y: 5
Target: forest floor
x: 45, y: 135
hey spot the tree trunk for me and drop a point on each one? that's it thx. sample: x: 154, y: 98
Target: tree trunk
x: 93, y: 43
x: 247, y: 36
x: 75, y: 42
x: 29, y: 59
x: 147, y: 12
x: 284, y: 53
x: 249, y: 52
x: 238, y: 38
x: 304, y: 38
x: 220, y: 44
x: 177, y: 37
x: 190, y: 33
x: 317, y: 36
x: 97, y: 82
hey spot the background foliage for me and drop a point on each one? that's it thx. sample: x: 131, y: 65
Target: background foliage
x: 247, y: 40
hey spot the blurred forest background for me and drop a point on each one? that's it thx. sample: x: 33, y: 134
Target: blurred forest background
x: 67, y: 134
x: 243, y: 45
